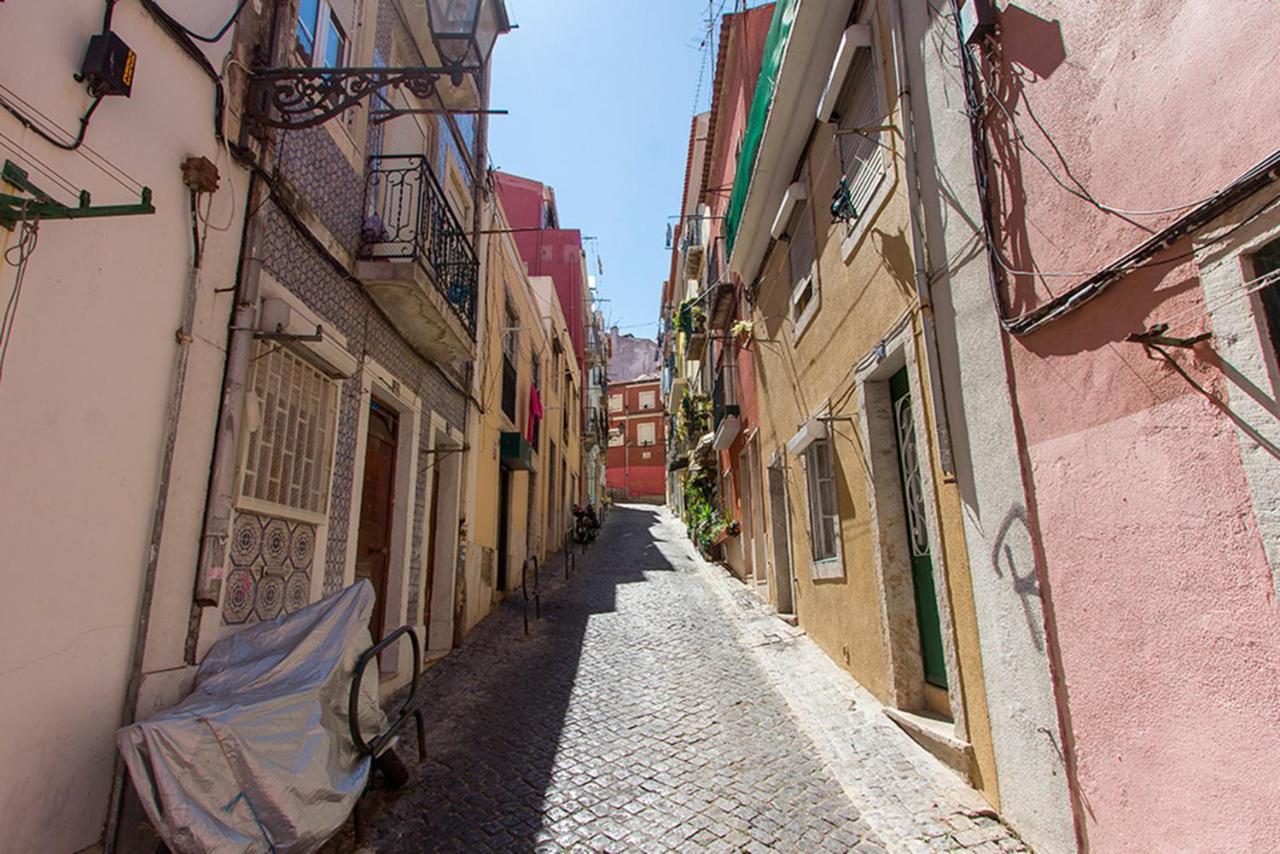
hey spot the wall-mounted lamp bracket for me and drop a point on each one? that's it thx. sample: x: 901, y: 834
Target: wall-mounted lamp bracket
x: 306, y: 97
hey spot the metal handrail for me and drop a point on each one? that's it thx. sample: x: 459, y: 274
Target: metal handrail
x: 524, y: 588
x: 408, y: 217
x: 570, y: 559
x: 374, y: 747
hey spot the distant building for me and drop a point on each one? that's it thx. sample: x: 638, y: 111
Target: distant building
x: 632, y: 357
x: 637, y: 443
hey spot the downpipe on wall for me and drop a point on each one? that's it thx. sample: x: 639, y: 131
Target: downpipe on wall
x: 173, y: 413
x: 933, y: 361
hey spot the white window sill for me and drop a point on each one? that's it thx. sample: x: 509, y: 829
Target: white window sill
x: 827, y: 569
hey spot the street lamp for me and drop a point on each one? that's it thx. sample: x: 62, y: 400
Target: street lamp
x: 464, y: 32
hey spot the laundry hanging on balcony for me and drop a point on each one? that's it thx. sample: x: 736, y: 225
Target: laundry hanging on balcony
x: 535, y: 414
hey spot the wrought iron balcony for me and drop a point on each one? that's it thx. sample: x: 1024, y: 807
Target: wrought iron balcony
x: 416, y: 259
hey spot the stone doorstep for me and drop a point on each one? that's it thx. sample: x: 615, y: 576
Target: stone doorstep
x: 936, y: 736
x: 790, y: 619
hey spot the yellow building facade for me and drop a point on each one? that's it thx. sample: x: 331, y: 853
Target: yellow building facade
x: 862, y: 515
x: 527, y: 441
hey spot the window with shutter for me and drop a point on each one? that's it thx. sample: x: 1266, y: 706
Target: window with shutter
x: 801, y: 257
x: 862, y: 156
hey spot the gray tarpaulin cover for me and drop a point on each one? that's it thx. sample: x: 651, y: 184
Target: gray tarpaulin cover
x: 259, y: 757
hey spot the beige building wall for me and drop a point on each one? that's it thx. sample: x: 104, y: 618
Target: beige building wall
x: 87, y: 386
x: 561, y: 389
x: 865, y: 327
x: 540, y: 498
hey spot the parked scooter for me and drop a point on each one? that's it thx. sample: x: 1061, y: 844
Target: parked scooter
x: 585, y: 524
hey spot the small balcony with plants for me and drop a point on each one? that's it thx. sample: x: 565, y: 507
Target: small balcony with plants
x: 416, y: 259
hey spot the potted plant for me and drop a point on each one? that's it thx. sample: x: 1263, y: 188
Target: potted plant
x: 741, y: 331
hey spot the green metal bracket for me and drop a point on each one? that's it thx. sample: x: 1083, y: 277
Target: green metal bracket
x: 38, y: 204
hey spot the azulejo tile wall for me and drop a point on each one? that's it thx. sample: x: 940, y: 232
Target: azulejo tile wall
x: 271, y: 563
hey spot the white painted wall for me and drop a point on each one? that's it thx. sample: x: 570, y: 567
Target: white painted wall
x: 1032, y: 778
x: 83, y: 403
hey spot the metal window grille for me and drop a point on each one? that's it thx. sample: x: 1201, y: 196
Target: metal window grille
x: 861, y: 154
x: 289, y: 453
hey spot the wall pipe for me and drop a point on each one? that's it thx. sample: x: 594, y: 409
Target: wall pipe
x: 240, y: 342
x: 942, y: 428
x: 172, y: 415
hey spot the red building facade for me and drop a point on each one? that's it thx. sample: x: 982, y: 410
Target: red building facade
x: 637, y: 441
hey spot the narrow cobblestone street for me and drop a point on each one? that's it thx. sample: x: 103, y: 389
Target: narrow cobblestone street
x: 637, y: 717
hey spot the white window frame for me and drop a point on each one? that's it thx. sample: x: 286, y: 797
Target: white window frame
x: 648, y: 400
x: 802, y: 317
x: 823, y: 508
x: 319, y: 32
x: 348, y: 130
x: 1239, y: 326
x: 646, y: 427
x: 615, y: 403
x: 871, y: 185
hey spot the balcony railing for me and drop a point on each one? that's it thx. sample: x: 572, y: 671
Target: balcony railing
x: 408, y: 219
x: 723, y: 400
x: 724, y: 409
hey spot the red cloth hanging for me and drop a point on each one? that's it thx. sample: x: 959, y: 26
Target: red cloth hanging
x: 535, y: 413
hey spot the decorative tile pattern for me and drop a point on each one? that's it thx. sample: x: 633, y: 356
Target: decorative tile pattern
x: 326, y: 185
x: 271, y: 563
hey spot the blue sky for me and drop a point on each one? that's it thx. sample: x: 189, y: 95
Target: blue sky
x: 601, y: 93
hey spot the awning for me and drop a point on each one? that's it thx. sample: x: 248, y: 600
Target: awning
x: 812, y: 430
x: 515, y: 452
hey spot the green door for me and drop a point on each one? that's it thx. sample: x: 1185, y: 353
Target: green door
x: 935, y: 668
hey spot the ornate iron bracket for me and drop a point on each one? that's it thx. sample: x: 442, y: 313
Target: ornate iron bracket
x: 306, y: 97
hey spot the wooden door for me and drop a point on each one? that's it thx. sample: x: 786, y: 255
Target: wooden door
x: 377, y: 506
x: 779, y: 525
x: 909, y: 462
x: 504, y: 523
x: 432, y: 529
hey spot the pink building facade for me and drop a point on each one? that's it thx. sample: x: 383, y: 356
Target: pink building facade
x: 731, y: 358
x: 1133, y: 209
x: 547, y: 249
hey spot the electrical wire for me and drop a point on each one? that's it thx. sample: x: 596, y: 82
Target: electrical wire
x: 1080, y: 191
x: 27, y: 239
x: 216, y: 37
x: 38, y: 165
x: 92, y: 155
x: 1248, y: 288
x: 30, y: 125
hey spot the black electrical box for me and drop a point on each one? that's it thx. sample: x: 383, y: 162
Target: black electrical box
x: 108, y: 66
x: 977, y: 20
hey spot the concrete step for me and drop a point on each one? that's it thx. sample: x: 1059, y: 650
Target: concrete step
x: 936, y: 735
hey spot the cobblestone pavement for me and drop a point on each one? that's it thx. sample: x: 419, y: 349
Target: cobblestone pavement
x: 654, y: 709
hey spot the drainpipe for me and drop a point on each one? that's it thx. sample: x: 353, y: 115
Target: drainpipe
x: 222, y: 474
x: 942, y: 428
x: 173, y: 413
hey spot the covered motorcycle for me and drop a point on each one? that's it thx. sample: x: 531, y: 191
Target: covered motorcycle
x: 259, y: 757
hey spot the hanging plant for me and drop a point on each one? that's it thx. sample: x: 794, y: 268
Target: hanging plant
x: 741, y: 331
